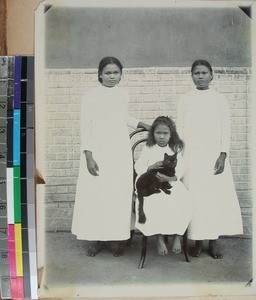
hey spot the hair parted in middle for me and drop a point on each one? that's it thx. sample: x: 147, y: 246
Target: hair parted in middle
x: 202, y: 62
x: 107, y: 61
x: 175, y: 143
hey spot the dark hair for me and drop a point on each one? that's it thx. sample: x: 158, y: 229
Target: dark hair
x: 201, y: 62
x: 175, y: 143
x: 106, y: 61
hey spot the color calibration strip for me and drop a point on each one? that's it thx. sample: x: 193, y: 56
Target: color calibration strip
x: 20, y: 278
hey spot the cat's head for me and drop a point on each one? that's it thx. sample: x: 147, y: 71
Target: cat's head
x: 170, y: 160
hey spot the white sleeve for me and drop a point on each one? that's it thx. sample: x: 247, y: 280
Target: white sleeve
x: 225, y: 126
x: 86, y: 124
x: 142, y: 163
x: 180, y: 116
x: 180, y: 168
x: 131, y: 121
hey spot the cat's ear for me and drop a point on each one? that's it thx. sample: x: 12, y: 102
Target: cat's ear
x: 166, y: 155
x: 175, y: 155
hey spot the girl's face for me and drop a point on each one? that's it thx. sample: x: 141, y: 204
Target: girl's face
x: 202, y: 77
x: 162, y: 135
x: 111, y: 75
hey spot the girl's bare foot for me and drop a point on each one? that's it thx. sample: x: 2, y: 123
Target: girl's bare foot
x: 198, y: 249
x: 213, y: 250
x: 161, y: 247
x: 176, y: 248
x: 117, y: 248
x: 94, y: 247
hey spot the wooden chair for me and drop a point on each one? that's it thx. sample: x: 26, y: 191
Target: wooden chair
x: 145, y: 238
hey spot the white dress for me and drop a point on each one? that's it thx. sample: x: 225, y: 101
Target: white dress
x: 102, y: 208
x: 203, y: 121
x: 166, y: 214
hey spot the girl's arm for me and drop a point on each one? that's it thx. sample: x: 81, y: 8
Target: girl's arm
x: 143, y: 125
x: 225, y: 126
x: 180, y: 168
x: 142, y: 164
x: 180, y: 116
x: 225, y: 136
x: 132, y: 121
x: 164, y: 178
x: 86, y: 124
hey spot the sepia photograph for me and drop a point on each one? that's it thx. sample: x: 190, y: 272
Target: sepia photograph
x: 144, y: 148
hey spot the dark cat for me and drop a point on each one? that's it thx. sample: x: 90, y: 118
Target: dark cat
x: 148, y: 184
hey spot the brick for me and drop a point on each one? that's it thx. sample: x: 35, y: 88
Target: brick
x: 166, y: 78
x: 182, y: 89
x: 135, y: 90
x: 238, y: 121
x: 167, y: 89
x: 50, y: 189
x: 219, y: 70
x: 134, y: 106
x: 245, y: 195
x: 74, y: 172
x: 240, y: 77
x: 133, y: 71
x: 149, y: 90
x: 239, y: 113
x: 240, y: 89
x: 59, y: 140
x: 74, y: 156
x: 226, y: 89
x: 74, y: 140
x: 240, y: 178
x: 241, y: 104
x: 61, y: 181
x: 232, y: 71
x: 150, y: 98
x: 241, y: 137
x: 72, y: 189
x: 151, y: 77
x: 167, y: 71
x: 247, y: 210
x: 59, y: 197
x: 151, y: 106
x: 60, y: 165
x: 64, y: 205
x: 57, y: 71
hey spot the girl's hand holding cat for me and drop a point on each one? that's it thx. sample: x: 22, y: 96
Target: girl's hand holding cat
x: 157, y: 165
x: 164, y: 178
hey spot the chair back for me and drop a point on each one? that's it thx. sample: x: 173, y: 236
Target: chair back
x: 139, y: 141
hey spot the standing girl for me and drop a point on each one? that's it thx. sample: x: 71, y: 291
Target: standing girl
x: 103, y: 201
x: 165, y: 214
x: 204, y: 122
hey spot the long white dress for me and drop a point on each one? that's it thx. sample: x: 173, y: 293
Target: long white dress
x: 203, y: 121
x: 166, y: 214
x: 102, y: 208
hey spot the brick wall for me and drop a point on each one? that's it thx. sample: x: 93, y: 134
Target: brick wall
x: 154, y: 92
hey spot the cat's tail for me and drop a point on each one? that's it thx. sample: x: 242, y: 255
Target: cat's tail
x: 141, y: 213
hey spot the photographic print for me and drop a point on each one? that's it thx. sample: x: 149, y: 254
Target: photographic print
x: 178, y: 74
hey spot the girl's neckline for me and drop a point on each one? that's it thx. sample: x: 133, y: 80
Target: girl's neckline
x: 207, y: 90
x: 167, y: 146
x: 109, y: 88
